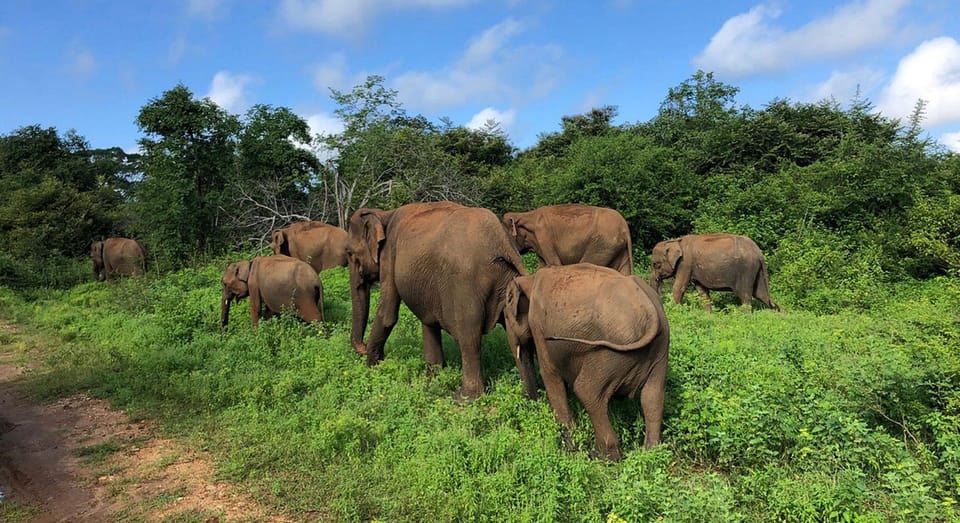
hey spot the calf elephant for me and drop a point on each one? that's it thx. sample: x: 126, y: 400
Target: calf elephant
x: 573, y: 233
x: 274, y: 284
x: 115, y: 257
x: 712, y: 262
x: 450, y: 264
x: 601, y: 332
x: 317, y: 243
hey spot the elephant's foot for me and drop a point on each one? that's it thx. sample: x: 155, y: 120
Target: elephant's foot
x: 360, y: 348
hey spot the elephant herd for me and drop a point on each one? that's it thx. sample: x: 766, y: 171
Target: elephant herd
x: 592, y: 325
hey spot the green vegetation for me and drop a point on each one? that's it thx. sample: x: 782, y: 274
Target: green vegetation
x: 796, y: 416
x: 844, y: 408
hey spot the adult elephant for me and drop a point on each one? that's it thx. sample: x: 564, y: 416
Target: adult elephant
x: 115, y: 257
x: 601, y: 332
x: 717, y: 261
x: 321, y: 245
x: 450, y: 264
x: 573, y: 233
x: 273, y: 284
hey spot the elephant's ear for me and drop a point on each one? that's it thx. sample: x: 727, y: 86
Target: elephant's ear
x: 674, y: 253
x: 373, y: 234
x: 279, y: 239
x: 243, y: 271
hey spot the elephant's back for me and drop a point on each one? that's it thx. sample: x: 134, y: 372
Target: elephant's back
x: 591, y: 302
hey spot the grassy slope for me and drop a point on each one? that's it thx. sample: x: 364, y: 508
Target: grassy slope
x: 792, y: 416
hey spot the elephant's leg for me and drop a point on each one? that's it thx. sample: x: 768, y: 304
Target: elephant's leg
x: 680, y: 282
x: 557, y: 396
x: 255, y: 308
x: 470, y: 355
x: 432, y: 347
x: 651, y: 402
x: 595, y: 400
x: 704, y: 296
x: 383, y: 322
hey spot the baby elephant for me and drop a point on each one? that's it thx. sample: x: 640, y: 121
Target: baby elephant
x: 599, y: 331
x: 277, y: 282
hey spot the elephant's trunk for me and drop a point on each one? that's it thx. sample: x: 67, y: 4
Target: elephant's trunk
x: 225, y: 307
x: 655, y: 281
x: 360, y: 297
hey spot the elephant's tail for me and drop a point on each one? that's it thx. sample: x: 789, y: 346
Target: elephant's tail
x: 762, y: 287
x: 621, y: 347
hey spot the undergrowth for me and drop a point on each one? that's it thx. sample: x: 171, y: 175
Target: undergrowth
x: 807, y: 415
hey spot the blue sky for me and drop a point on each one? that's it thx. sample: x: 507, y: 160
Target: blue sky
x: 91, y: 65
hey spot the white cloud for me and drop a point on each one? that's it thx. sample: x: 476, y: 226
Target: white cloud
x: 228, y: 90
x: 345, y: 17
x: 81, y: 62
x: 488, y: 71
x: 932, y: 73
x: 483, y: 47
x: 324, y: 123
x: 504, y: 118
x: 177, y: 50
x: 951, y: 140
x: 333, y: 73
x: 204, y: 8
x: 750, y: 42
x: 843, y: 86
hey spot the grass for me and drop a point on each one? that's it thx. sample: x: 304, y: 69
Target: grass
x: 800, y: 416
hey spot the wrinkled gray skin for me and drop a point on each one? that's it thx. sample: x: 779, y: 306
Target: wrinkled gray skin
x: 450, y: 264
x: 602, y: 333
x: 573, y: 233
x: 116, y: 257
x: 719, y: 262
x: 273, y: 284
x: 321, y: 245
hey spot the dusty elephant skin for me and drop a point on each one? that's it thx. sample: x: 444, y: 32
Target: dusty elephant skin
x: 273, y: 284
x: 573, y: 233
x: 321, y: 245
x: 601, y: 332
x: 116, y: 257
x: 720, y: 262
x: 450, y: 264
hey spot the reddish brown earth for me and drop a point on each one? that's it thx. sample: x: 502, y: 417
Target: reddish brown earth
x: 78, y: 460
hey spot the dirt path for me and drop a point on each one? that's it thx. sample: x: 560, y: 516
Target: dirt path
x: 78, y: 460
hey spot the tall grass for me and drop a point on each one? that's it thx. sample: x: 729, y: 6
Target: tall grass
x: 852, y: 416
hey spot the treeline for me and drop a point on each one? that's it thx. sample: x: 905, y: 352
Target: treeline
x: 839, y: 198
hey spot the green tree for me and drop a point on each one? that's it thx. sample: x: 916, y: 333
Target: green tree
x: 56, y: 201
x: 189, y: 158
x: 276, y: 170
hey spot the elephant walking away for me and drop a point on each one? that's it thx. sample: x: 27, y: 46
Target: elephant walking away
x: 274, y: 284
x: 720, y: 262
x: 602, y: 333
x: 573, y: 233
x: 116, y: 257
x: 321, y: 245
x: 450, y: 264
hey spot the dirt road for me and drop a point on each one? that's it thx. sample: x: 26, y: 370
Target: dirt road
x: 78, y: 460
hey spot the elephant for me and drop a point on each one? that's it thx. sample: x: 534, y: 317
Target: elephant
x: 115, y: 257
x: 450, y: 264
x: 601, y: 332
x: 274, y: 284
x: 317, y: 243
x: 573, y: 233
x: 712, y: 262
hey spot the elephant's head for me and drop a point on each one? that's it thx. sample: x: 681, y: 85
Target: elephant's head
x: 516, y: 310
x: 517, y: 228
x: 279, y: 242
x: 365, y: 237
x: 96, y: 254
x: 663, y: 262
x: 234, y: 287
x: 516, y: 314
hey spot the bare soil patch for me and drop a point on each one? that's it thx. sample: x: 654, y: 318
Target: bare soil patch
x: 78, y: 460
